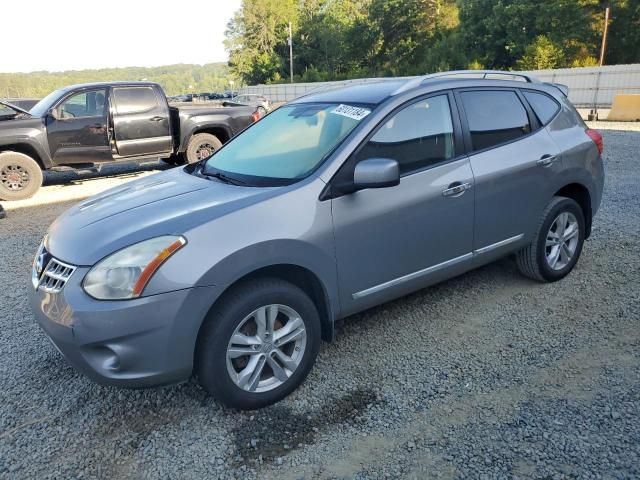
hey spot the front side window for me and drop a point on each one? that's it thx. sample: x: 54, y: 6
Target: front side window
x: 418, y: 136
x: 134, y: 100
x: 287, y: 144
x: 494, y: 117
x: 85, y: 104
x: 544, y: 108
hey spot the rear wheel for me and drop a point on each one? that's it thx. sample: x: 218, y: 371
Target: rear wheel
x: 258, y: 344
x: 20, y: 176
x: 557, y: 244
x: 201, y: 146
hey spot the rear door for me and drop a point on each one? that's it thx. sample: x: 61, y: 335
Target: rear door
x: 79, y: 134
x: 514, y: 163
x: 140, y: 121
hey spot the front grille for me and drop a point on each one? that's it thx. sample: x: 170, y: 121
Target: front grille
x: 55, y: 276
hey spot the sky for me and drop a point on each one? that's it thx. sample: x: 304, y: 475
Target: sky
x: 59, y: 35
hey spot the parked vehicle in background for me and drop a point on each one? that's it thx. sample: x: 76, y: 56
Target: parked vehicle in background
x: 23, y: 103
x: 261, y: 102
x: 84, y: 126
x: 355, y: 196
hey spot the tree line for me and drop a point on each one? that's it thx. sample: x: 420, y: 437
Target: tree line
x: 175, y: 79
x: 339, y: 39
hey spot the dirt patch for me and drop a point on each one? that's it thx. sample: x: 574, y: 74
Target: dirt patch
x: 266, y: 435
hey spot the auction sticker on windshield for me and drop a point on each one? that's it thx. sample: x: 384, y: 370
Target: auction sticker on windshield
x: 357, y: 113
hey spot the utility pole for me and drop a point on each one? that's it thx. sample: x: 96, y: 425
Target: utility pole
x: 604, y: 35
x: 290, y: 53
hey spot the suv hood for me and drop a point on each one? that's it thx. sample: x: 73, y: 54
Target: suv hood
x: 170, y: 202
x: 16, y: 108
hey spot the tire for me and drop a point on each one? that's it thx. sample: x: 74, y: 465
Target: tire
x: 536, y: 260
x: 201, y: 146
x: 20, y: 176
x: 235, y: 316
x: 262, y: 111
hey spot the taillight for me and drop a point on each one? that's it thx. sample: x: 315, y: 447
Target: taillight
x: 596, y: 137
x: 255, y: 116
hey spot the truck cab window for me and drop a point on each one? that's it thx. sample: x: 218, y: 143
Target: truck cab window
x: 84, y: 104
x: 135, y: 100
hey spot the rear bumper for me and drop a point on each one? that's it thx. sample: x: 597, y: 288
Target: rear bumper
x: 135, y: 343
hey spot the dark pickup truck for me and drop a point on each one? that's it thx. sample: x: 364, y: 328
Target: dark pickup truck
x: 84, y: 126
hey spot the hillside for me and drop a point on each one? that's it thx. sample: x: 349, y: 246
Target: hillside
x: 174, y: 79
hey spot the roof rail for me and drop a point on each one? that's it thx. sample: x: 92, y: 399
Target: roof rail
x: 483, y: 74
x: 417, y: 81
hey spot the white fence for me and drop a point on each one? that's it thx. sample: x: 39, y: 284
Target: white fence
x: 590, y: 87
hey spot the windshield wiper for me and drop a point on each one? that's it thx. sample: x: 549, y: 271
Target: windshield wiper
x: 222, y: 177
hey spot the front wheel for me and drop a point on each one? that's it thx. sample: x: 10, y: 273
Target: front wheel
x: 20, y: 176
x: 557, y: 244
x: 258, y: 344
x: 201, y: 146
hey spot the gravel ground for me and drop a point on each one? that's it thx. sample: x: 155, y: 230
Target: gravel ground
x: 489, y: 375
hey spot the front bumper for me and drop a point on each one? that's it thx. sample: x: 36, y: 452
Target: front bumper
x: 135, y: 343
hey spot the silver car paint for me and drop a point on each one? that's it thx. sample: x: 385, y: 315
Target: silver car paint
x: 364, y: 248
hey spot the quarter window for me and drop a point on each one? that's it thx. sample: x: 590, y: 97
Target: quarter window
x: 418, y: 136
x: 544, y: 108
x: 494, y: 117
x: 135, y: 100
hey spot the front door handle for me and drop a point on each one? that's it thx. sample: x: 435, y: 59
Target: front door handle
x: 156, y: 119
x: 456, y: 189
x: 546, y: 160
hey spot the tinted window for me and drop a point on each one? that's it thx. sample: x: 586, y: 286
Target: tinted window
x: 416, y: 137
x: 84, y: 104
x: 544, y: 107
x: 494, y: 117
x: 135, y: 99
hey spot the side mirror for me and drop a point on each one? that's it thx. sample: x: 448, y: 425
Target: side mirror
x: 376, y: 173
x: 53, y: 113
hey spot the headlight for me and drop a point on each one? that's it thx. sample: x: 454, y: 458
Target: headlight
x: 125, y: 273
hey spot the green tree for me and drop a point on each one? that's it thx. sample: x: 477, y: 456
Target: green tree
x: 256, y: 38
x: 541, y: 54
x: 624, y: 32
x: 174, y: 79
x: 498, y: 32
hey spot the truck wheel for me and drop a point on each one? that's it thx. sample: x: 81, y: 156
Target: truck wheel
x: 20, y: 176
x: 201, y: 146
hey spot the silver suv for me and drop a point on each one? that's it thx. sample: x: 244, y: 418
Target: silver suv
x: 234, y: 268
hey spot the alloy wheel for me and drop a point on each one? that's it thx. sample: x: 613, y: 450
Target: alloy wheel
x: 204, y: 150
x: 562, y: 240
x: 266, y: 348
x: 14, y: 177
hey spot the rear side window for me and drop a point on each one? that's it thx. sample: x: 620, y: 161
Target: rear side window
x: 417, y: 136
x: 494, y: 117
x: 135, y: 99
x: 544, y: 107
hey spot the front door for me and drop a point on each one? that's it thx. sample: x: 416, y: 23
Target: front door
x: 514, y: 162
x: 141, y: 122
x: 79, y: 134
x: 393, y: 240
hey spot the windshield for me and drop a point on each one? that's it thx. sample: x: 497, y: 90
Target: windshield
x: 43, y: 106
x: 286, y: 145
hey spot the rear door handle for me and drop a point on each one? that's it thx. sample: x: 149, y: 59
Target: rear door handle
x: 456, y: 189
x: 156, y: 119
x: 546, y: 160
